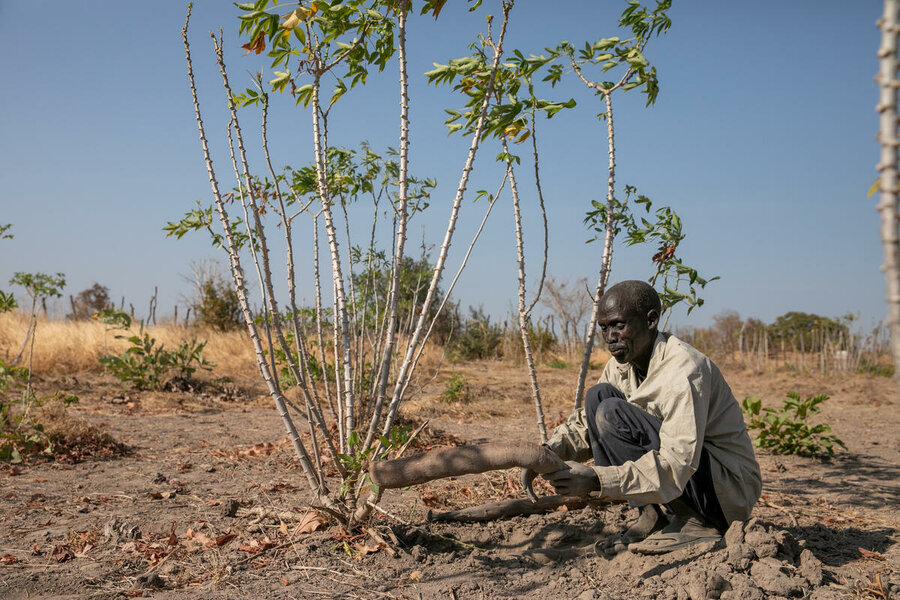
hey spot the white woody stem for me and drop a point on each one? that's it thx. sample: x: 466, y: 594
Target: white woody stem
x: 240, y: 287
x: 606, y: 260
x: 887, y: 166
x: 523, y: 311
x: 405, y: 367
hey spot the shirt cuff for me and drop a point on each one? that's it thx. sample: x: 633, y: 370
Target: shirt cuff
x: 609, y: 479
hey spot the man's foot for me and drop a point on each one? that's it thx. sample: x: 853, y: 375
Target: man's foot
x: 649, y: 521
x: 682, y: 532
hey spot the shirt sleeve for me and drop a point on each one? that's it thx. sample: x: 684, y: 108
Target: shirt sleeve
x: 659, y: 476
x: 570, y: 440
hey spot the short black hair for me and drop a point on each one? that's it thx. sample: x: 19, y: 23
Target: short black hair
x: 639, y: 296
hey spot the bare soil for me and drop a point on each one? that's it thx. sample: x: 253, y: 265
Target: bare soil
x: 209, y: 503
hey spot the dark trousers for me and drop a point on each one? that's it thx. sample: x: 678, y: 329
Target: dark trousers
x: 622, y: 432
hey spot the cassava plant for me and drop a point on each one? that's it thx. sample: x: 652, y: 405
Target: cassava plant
x: 370, y: 367
x: 39, y: 287
x: 786, y: 431
x: 145, y: 364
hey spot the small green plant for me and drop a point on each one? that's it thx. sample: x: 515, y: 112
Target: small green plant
x: 354, y: 461
x: 145, y: 364
x: 867, y: 367
x: 785, y: 430
x: 21, y: 430
x: 558, y: 364
x: 457, y: 390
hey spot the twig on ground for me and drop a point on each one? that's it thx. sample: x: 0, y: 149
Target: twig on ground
x: 781, y: 509
x: 376, y: 537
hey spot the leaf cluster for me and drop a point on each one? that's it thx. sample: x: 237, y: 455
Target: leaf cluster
x: 313, y: 39
x: 512, y: 92
x: 40, y: 285
x: 662, y: 229
x: 355, y: 460
x: 785, y: 430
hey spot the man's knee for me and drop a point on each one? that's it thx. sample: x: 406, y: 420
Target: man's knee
x: 597, y: 394
x: 609, y: 413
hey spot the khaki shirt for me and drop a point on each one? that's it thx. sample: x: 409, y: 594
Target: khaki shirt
x: 687, y: 392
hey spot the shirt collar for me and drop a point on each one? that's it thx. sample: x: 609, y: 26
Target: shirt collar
x: 656, y: 357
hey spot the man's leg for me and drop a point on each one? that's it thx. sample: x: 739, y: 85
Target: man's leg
x: 622, y: 432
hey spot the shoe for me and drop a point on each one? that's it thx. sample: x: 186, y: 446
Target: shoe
x: 649, y: 521
x: 683, y: 531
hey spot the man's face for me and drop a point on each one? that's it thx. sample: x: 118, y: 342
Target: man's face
x: 628, y: 334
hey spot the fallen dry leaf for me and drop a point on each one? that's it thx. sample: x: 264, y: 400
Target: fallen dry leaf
x: 255, y: 546
x: 8, y: 559
x: 869, y: 554
x: 263, y: 449
x: 366, y: 549
x: 311, y: 521
x: 430, y: 500
x: 62, y: 553
x: 197, y: 540
x: 224, y: 539
x: 415, y: 575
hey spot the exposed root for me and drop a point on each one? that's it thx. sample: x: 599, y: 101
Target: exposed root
x: 514, y: 508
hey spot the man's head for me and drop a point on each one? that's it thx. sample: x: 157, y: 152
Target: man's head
x: 629, y: 315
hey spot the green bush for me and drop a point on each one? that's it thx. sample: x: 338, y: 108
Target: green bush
x: 785, y: 430
x: 457, y: 390
x: 145, y: 364
x: 478, y: 339
x: 558, y: 364
x: 218, y: 306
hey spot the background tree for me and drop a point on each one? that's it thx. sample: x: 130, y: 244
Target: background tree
x: 570, y: 304
x: 89, y: 301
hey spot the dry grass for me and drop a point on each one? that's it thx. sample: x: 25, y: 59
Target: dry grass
x: 71, y: 347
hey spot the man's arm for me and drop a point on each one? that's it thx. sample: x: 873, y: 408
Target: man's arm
x: 660, y: 476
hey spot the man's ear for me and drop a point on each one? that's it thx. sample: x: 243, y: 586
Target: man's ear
x: 652, y: 319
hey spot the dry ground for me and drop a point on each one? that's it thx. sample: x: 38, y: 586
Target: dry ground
x: 210, y: 504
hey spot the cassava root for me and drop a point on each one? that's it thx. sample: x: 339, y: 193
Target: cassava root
x: 464, y: 460
x: 514, y: 508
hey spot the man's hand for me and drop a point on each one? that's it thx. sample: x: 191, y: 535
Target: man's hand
x: 576, y: 480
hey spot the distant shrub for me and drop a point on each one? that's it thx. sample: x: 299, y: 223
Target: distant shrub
x: 145, y: 364
x: 867, y: 367
x: 558, y: 364
x: 478, y: 339
x: 218, y: 306
x: 785, y: 430
x: 88, y: 302
x: 457, y: 390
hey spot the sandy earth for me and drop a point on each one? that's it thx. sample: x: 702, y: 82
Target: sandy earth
x: 209, y: 504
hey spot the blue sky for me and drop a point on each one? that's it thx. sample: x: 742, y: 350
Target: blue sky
x: 762, y: 139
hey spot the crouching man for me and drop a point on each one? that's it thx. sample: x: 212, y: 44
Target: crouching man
x: 663, y: 429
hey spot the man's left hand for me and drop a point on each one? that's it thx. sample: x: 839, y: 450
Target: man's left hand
x: 575, y: 480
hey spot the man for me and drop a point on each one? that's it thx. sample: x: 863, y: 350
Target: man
x: 663, y: 429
